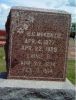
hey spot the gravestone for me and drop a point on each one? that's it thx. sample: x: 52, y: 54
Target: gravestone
x: 37, y: 44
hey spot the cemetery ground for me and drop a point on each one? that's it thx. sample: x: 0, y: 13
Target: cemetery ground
x: 70, y: 63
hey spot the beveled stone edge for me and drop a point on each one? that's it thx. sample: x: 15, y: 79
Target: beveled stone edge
x: 40, y: 9
x: 36, y: 84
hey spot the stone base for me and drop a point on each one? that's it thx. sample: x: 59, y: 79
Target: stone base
x: 36, y: 90
x: 36, y: 94
x: 36, y: 84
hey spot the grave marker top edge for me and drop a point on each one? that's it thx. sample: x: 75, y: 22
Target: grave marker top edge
x: 40, y: 10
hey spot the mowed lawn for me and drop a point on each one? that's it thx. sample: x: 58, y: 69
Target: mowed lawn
x: 71, y: 71
x: 2, y: 60
x: 70, y: 67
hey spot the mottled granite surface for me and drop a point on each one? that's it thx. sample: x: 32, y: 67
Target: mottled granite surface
x: 35, y: 94
x: 36, y: 44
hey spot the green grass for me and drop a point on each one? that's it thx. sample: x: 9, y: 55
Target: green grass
x: 2, y: 60
x: 71, y: 71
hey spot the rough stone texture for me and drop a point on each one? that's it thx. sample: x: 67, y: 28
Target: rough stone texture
x: 35, y: 94
x: 37, y: 44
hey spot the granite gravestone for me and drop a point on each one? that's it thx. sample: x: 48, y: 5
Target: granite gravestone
x: 37, y: 44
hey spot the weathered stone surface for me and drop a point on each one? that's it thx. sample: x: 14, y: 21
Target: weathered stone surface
x: 37, y: 44
x: 36, y: 94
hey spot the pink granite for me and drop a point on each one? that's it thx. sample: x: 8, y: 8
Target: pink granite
x: 37, y: 44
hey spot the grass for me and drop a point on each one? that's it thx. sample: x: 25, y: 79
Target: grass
x: 71, y: 71
x: 2, y: 60
x: 70, y: 67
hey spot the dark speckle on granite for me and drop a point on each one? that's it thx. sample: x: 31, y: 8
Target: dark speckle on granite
x: 36, y: 94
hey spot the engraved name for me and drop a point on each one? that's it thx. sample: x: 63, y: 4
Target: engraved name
x: 47, y: 35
